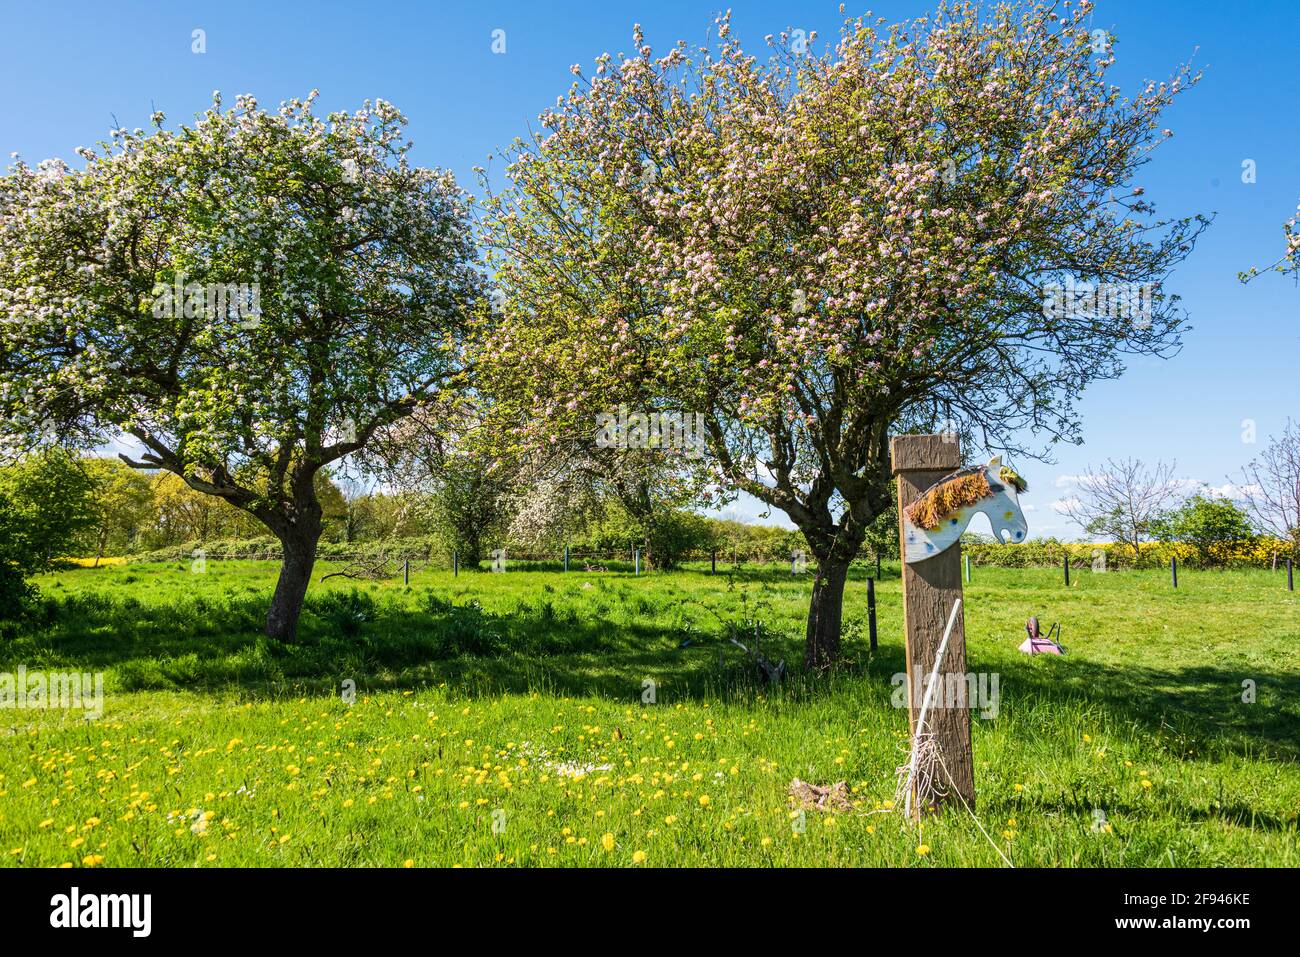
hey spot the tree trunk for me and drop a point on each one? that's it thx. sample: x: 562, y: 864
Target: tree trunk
x: 299, y: 547
x: 822, y: 648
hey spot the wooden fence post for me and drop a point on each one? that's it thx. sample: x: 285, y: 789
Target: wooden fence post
x: 871, y: 611
x: 930, y: 589
x: 406, y: 572
x: 1173, y: 568
x: 1290, y: 580
x: 1066, y: 564
x: 455, y: 564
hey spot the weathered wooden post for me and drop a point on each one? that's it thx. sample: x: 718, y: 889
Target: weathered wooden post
x: 1173, y: 568
x: 967, y: 560
x: 1066, y: 564
x: 455, y: 564
x: 713, y: 563
x: 636, y: 561
x: 406, y: 572
x: 930, y: 589
x: 871, y: 611
x: 1290, y: 581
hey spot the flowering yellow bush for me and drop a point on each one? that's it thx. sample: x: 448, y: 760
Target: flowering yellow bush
x: 1043, y: 552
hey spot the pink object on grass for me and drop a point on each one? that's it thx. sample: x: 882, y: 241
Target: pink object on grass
x: 1039, y: 644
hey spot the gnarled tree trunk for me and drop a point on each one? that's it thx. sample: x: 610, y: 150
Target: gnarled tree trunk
x: 298, y: 541
x: 826, y: 612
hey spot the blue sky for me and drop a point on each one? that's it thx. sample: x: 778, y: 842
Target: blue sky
x: 67, y: 70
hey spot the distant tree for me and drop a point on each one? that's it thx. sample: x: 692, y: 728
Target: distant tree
x: 1123, y: 500
x: 47, y: 505
x: 124, y: 507
x: 251, y: 298
x: 551, y: 510
x: 467, y: 506
x: 1271, y: 487
x: 1207, y: 523
x: 183, y: 515
x: 803, y: 248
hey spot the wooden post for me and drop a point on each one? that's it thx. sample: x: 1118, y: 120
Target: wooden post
x: 967, y: 558
x: 930, y: 589
x: 406, y: 572
x: 1290, y: 580
x: 636, y: 561
x: 566, y: 558
x: 455, y: 564
x: 713, y: 570
x: 1065, y: 563
x: 1173, y: 568
x: 871, y: 611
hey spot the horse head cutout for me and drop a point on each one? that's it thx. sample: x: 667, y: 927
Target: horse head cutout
x: 936, y: 520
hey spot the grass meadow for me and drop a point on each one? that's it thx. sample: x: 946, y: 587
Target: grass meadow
x: 501, y: 720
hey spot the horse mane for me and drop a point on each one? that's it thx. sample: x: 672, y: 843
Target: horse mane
x: 943, y: 498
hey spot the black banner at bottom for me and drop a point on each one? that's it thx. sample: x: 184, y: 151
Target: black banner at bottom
x: 550, y: 907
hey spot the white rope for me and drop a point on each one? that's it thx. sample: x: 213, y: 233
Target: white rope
x: 926, y: 753
x: 969, y: 810
x: 918, y: 741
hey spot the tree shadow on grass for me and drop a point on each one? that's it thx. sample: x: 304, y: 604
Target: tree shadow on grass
x: 210, y: 644
x: 1194, y: 712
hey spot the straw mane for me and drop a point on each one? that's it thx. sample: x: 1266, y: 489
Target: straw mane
x: 940, y: 501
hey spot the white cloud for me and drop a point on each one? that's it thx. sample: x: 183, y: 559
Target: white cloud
x: 1228, y: 490
x: 1067, y: 481
x: 1063, y: 506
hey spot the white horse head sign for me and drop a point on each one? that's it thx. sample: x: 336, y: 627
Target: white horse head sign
x: 936, y: 520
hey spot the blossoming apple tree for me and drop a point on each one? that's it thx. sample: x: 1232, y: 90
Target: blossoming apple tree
x: 249, y: 298
x: 811, y: 249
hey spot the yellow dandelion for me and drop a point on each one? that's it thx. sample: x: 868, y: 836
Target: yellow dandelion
x: 607, y: 841
x: 638, y: 857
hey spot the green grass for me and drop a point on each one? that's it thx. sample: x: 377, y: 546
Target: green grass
x: 1143, y: 722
